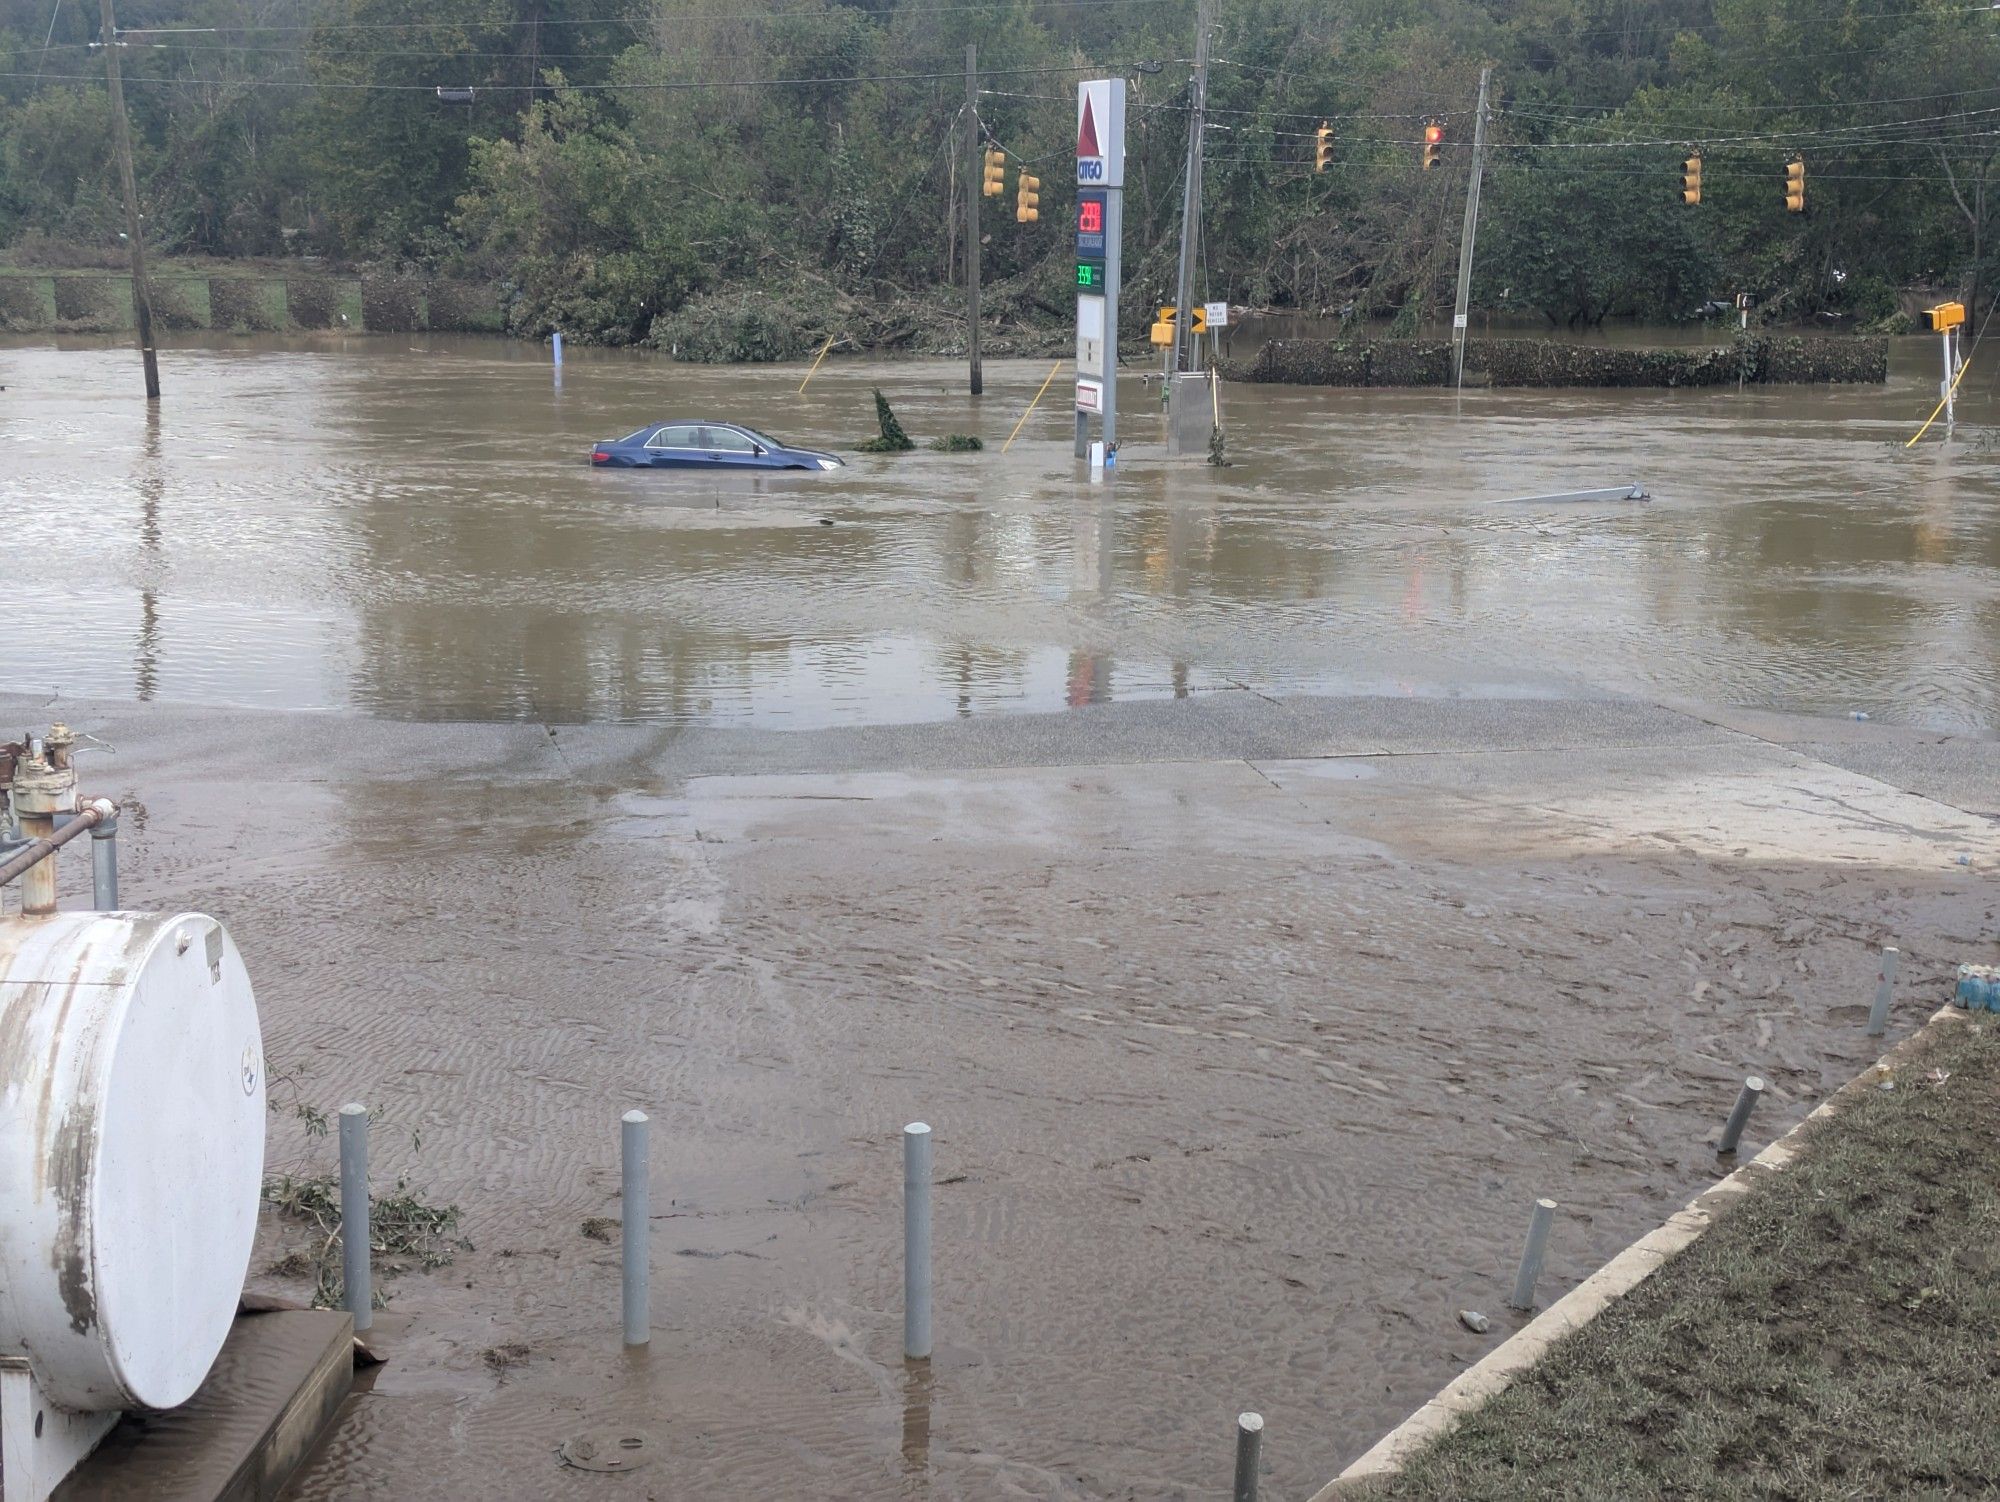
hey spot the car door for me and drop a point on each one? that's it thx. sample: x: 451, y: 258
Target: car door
x: 676, y: 447
x: 730, y: 449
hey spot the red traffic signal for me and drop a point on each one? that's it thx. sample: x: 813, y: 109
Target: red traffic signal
x: 1433, y: 133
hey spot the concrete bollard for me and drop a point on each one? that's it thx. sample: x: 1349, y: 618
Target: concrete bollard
x: 1249, y: 1441
x: 917, y: 1242
x: 1885, y: 990
x: 1531, y: 1255
x: 104, y: 865
x: 636, y: 1233
x: 357, y: 1285
x: 1739, y: 1114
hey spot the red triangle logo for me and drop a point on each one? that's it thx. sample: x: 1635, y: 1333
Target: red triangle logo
x: 1086, y: 135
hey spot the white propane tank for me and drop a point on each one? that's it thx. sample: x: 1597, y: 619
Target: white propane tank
x: 131, y: 1152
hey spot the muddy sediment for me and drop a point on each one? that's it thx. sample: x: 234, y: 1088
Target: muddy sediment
x: 1244, y: 1069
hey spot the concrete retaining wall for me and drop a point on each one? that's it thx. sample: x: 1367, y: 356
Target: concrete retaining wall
x: 100, y: 302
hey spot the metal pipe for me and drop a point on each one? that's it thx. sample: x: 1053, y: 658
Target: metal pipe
x: 1531, y: 1255
x: 1885, y: 990
x: 635, y: 1235
x: 356, y: 1290
x: 41, y: 846
x: 917, y: 1241
x: 1739, y: 1114
x: 1249, y: 1440
x: 104, y: 866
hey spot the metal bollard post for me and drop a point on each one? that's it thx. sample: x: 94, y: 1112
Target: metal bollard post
x: 104, y: 865
x: 1531, y: 1256
x: 636, y: 1233
x: 1739, y: 1114
x: 1885, y: 989
x: 917, y: 1241
x: 1249, y: 1440
x: 354, y: 1267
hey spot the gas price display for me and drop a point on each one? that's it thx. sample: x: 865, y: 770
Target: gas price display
x: 1090, y: 225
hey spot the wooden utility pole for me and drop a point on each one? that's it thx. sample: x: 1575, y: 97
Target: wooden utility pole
x: 975, y: 188
x: 135, y: 236
x: 1191, y: 197
x: 1458, y: 311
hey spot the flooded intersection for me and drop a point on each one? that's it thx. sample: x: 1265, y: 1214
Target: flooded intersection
x: 1250, y: 1018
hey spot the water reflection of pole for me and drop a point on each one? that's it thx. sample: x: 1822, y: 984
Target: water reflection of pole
x: 152, y: 485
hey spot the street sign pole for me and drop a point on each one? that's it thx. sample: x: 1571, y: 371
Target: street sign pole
x: 1100, y: 225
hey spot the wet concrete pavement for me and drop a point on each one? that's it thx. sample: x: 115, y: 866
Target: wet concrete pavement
x: 1248, y: 1030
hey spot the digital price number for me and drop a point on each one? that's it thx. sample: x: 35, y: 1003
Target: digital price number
x: 1090, y: 276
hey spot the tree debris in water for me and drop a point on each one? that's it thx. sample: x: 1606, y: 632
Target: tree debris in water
x: 404, y: 1233
x: 893, y: 440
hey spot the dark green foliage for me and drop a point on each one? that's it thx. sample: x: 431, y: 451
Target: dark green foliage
x: 245, y: 304
x: 26, y: 302
x: 893, y: 439
x: 180, y: 302
x: 616, y: 192
x: 461, y: 307
x: 1548, y: 362
x: 390, y: 303
x: 956, y: 443
x: 312, y: 302
x: 94, y: 302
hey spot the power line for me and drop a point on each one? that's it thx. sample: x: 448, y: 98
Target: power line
x: 662, y: 86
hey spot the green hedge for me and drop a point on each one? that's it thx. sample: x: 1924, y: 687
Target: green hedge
x: 1774, y: 359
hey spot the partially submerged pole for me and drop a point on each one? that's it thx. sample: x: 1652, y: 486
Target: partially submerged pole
x: 635, y: 1235
x: 356, y: 1290
x: 1249, y: 1441
x: 104, y: 864
x: 975, y: 189
x: 1739, y: 1114
x: 1885, y: 990
x: 917, y: 1241
x: 1531, y: 1255
x: 1459, y: 307
x: 135, y: 235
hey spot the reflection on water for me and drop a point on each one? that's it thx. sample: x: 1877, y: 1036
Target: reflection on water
x: 407, y: 526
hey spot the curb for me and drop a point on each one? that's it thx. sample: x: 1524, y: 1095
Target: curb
x: 1507, y: 1362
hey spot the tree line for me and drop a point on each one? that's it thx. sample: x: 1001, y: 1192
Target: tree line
x: 618, y: 163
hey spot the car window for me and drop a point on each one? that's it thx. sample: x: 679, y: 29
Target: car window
x: 764, y: 438
x: 674, y: 438
x: 726, y: 440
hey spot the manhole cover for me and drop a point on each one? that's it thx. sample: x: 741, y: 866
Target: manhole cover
x: 607, y: 1450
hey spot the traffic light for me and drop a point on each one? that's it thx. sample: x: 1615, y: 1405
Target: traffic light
x: 1691, y: 180
x: 1795, y: 186
x: 996, y: 173
x: 1026, y: 197
x: 1945, y: 317
x: 1433, y: 134
x: 1322, y: 146
x: 1162, y: 333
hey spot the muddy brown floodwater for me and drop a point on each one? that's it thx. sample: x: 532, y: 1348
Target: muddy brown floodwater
x: 1267, y: 881
x: 405, y: 525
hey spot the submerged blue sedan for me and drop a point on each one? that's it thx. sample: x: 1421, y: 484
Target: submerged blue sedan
x: 704, y: 445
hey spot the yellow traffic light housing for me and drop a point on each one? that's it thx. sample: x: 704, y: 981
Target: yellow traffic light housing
x: 1322, y: 146
x: 1162, y: 332
x: 1433, y: 139
x: 1027, y: 198
x: 1691, y: 180
x: 1944, y: 317
x: 996, y: 174
x: 1795, y: 186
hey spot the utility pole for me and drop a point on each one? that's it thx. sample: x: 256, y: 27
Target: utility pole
x: 1458, y: 312
x: 1191, y: 196
x: 121, y: 140
x: 974, y: 190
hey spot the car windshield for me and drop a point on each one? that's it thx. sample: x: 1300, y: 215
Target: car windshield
x: 768, y: 442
